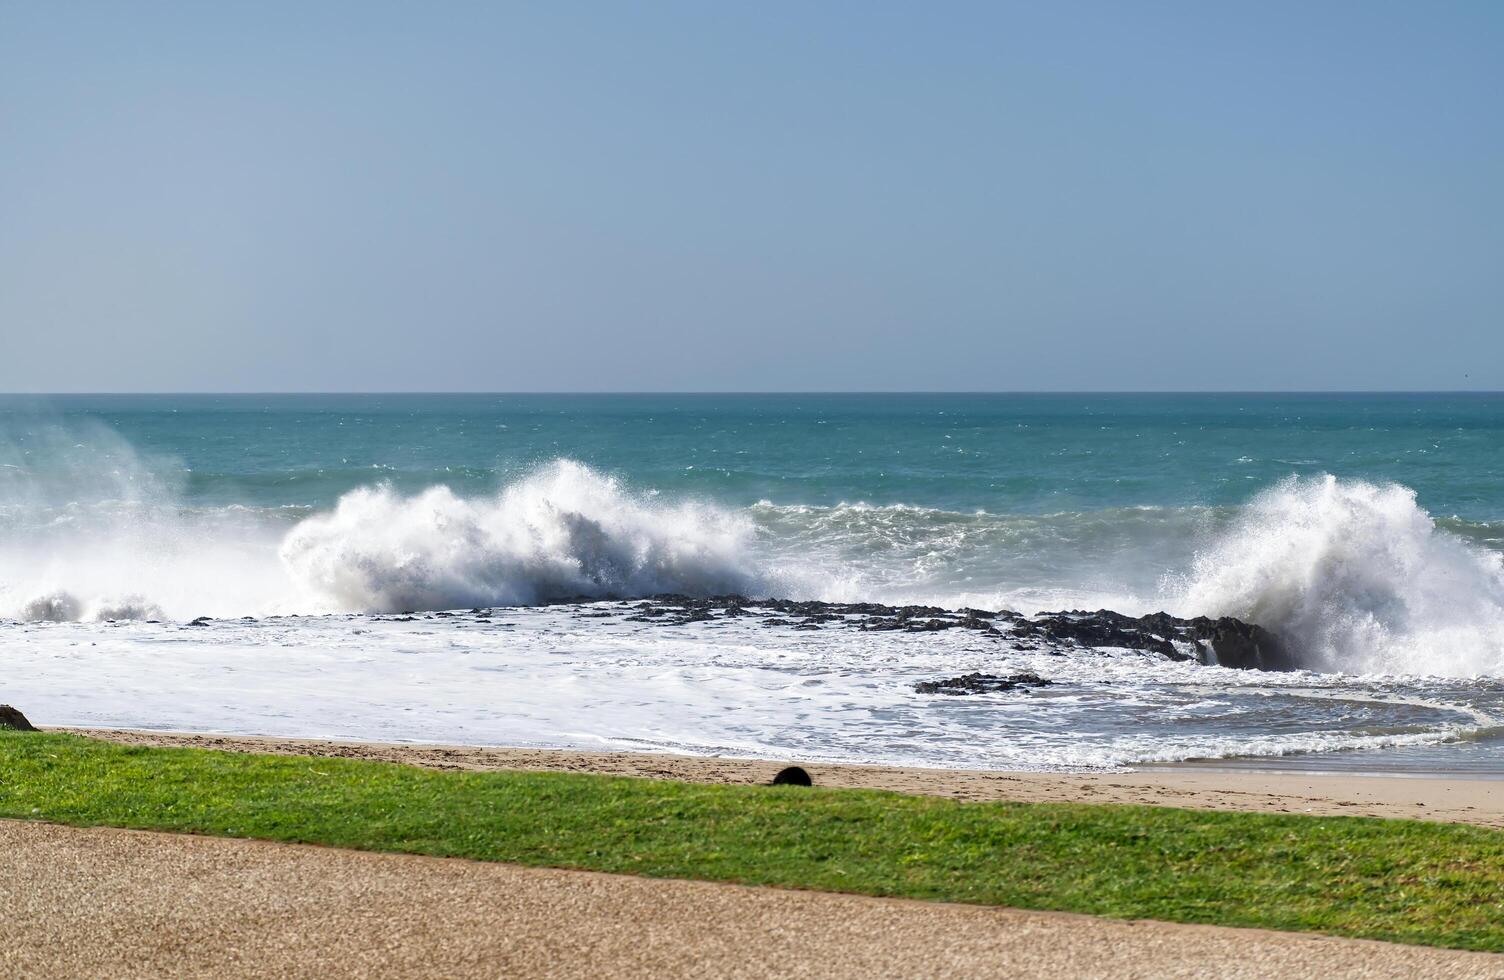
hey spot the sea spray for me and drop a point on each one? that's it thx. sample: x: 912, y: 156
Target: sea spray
x: 55, y: 607
x: 563, y: 532
x: 90, y: 528
x: 1359, y: 578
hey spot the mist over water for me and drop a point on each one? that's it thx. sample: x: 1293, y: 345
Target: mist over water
x: 93, y: 529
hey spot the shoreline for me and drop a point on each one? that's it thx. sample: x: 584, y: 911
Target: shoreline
x: 1450, y: 798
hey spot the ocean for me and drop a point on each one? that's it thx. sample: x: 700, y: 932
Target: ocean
x: 283, y: 564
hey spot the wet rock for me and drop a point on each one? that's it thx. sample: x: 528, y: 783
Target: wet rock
x: 1229, y: 642
x: 693, y: 616
x: 1105, y: 628
x: 982, y: 684
x: 1226, y: 642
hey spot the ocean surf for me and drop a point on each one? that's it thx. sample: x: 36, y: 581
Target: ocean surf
x: 473, y: 571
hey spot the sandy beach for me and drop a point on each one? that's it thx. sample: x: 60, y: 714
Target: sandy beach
x: 1445, y: 798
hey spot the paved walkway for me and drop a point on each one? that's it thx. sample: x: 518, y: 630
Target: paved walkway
x: 115, y: 903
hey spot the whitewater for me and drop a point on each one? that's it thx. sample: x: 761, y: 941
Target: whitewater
x: 164, y: 566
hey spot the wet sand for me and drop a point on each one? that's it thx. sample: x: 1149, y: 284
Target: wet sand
x: 101, y: 902
x: 1454, y: 799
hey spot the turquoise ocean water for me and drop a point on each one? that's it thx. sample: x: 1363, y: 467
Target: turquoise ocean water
x: 1025, y: 454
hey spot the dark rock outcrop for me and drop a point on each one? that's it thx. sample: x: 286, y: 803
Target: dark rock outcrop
x: 1224, y: 642
x: 792, y: 776
x: 982, y: 684
x: 1229, y: 642
x: 14, y: 720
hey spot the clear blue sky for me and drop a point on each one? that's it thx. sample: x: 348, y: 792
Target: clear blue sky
x: 751, y: 196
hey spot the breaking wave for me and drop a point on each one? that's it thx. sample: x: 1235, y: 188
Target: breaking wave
x: 57, y: 607
x: 64, y: 607
x: 1359, y: 578
x: 564, y: 532
x: 1355, y: 575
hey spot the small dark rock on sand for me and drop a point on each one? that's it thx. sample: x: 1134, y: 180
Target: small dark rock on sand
x: 792, y: 776
x: 13, y: 719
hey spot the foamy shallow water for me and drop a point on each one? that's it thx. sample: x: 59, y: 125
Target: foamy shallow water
x: 585, y: 676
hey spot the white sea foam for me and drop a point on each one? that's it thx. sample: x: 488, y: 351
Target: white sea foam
x: 550, y: 676
x: 1358, y: 578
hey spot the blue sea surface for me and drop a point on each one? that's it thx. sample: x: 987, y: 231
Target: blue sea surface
x: 1004, y: 453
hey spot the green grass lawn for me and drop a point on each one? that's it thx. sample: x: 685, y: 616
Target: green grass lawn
x: 1413, y: 882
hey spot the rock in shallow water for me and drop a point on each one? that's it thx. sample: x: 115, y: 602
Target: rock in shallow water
x: 982, y: 684
x: 1224, y: 642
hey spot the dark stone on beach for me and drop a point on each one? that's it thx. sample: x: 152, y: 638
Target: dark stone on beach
x: 201, y: 621
x: 14, y: 720
x: 792, y: 776
x: 982, y: 684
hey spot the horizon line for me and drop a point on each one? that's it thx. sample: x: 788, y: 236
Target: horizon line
x: 767, y: 392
